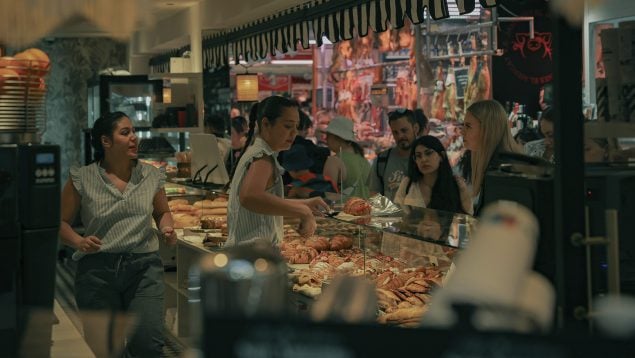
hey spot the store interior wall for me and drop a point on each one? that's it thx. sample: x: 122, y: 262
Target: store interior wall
x: 604, y: 11
x: 73, y: 62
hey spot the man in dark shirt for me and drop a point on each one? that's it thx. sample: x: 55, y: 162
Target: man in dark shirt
x: 316, y: 153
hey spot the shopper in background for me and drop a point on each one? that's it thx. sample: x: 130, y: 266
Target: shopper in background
x: 485, y: 134
x: 596, y: 150
x: 256, y: 197
x: 318, y: 154
x: 238, y: 138
x: 119, y: 268
x: 526, y: 135
x: 543, y: 148
x: 305, y: 184
x: 422, y: 120
x: 430, y: 182
x: 391, y: 165
x: 215, y: 124
x: 347, y: 166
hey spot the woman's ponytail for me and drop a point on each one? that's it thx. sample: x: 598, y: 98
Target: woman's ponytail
x: 253, y: 116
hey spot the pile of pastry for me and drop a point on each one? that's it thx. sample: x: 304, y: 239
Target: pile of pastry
x: 298, y: 250
x: 210, y: 213
x: 402, y: 292
x: 403, y: 297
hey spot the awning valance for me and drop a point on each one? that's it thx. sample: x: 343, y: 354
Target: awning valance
x: 335, y: 20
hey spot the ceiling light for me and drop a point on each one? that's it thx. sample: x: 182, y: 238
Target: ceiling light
x: 291, y: 62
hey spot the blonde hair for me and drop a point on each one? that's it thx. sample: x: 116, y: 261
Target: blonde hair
x: 495, y: 137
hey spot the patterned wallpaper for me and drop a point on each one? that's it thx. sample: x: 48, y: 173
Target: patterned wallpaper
x: 74, y: 61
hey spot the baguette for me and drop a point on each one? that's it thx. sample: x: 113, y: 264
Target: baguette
x: 210, y: 211
x: 209, y: 204
x: 178, y: 201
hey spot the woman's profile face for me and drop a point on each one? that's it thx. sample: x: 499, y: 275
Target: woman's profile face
x: 281, y: 134
x: 427, y: 160
x: 471, y: 132
x: 593, y: 152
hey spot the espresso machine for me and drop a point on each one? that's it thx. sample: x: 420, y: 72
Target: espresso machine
x: 29, y: 221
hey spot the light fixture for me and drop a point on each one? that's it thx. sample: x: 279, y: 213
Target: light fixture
x: 167, y: 91
x: 246, y: 88
x: 291, y: 62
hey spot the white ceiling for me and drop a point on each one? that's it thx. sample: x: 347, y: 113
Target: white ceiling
x: 215, y: 15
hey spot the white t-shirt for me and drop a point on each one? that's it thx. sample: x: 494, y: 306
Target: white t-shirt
x: 414, y: 197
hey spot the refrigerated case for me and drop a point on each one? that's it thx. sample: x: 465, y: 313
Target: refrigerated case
x: 137, y: 96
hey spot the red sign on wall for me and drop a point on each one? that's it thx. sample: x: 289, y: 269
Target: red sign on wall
x: 274, y: 83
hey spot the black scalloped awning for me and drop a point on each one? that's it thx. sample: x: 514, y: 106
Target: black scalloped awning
x: 335, y: 19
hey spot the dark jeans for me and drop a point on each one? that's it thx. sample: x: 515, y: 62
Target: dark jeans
x: 123, y: 283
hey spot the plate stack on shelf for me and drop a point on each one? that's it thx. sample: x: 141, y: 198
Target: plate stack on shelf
x: 22, y: 96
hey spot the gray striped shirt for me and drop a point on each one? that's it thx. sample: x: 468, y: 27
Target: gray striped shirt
x: 246, y: 226
x: 122, y: 221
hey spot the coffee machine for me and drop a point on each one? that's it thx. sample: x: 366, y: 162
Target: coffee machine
x: 29, y: 220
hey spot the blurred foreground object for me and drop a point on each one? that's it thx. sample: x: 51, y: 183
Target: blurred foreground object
x: 493, y: 286
x: 24, y: 22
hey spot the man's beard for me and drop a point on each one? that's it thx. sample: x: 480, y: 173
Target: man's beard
x: 404, y: 144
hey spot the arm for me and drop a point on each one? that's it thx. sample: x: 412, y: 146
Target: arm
x: 466, y: 196
x: 71, y: 201
x: 333, y: 169
x: 254, y: 197
x: 163, y: 217
x: 374, y: 183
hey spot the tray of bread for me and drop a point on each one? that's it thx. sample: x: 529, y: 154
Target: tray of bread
x: 403, y: 290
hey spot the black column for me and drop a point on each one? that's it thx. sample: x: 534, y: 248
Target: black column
x: 569, y: 176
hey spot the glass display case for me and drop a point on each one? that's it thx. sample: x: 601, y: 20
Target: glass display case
x: 137, y: 96
x: 406, y: 255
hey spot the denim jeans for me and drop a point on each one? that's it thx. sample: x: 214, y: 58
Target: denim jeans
x: 111, y: 284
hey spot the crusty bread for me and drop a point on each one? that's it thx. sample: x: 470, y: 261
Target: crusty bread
x: 209, y: 204
x: 178, y: 202
x: 210, y: 211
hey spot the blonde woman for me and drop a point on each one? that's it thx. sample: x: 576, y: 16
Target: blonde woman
x: 485, y: 134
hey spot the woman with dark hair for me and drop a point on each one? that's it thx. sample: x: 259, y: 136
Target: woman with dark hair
x: 256, y: 197
x: 543, y: 148
x: 119, y: 267
x: 238, y: 127
x: 430, y: 182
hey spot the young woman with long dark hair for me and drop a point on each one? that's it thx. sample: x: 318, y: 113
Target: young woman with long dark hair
x: 430, y: 182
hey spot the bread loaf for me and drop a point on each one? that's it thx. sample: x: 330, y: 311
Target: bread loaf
x: 209, y: 204
x: 210, y: 211
x: 178, y: 202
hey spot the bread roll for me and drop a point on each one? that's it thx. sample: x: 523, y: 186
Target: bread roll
x: 210, y: 211
x: 208, y: 204
x: 178, y: 202
x: 181, y: 207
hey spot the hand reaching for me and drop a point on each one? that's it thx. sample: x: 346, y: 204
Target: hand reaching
x: 317, y: 205
x: 89, y: 244
x: 169, y: 234
x: 307, y: 226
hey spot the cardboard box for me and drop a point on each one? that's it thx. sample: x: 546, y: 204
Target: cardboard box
x: 180, y: 65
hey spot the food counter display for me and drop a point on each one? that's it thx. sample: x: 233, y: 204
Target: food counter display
x: 406, y: 255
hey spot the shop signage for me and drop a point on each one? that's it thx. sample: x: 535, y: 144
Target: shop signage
x: 529, y: 60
